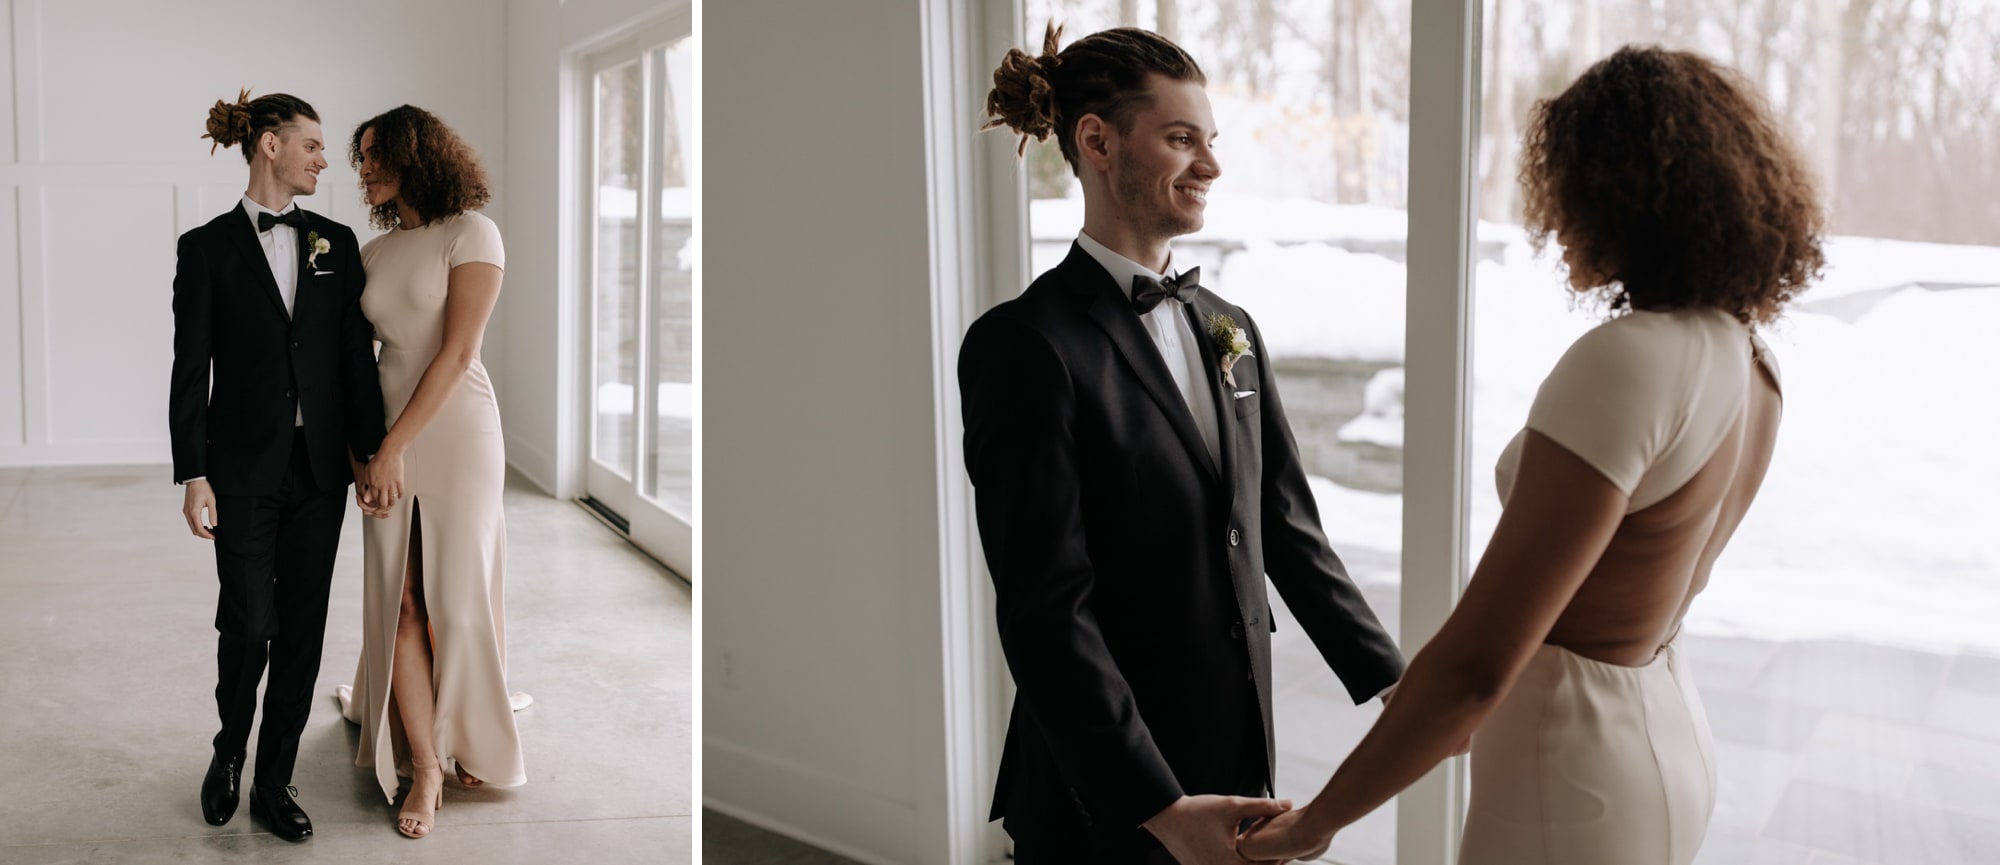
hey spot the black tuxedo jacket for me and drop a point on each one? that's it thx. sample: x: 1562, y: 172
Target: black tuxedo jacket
x: 318, y: 361
x: 1130, y: 569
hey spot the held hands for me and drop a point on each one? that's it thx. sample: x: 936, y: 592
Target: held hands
x: 1201, y: 830
x: 1283, y: 837
x: 200, y: 497
x: 384, y: 487
x: 364, y: 494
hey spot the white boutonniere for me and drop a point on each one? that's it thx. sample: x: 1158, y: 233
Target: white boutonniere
x: 316, y: 244
x: 1231, y: 344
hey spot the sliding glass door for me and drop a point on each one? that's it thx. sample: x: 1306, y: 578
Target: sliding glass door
x: 639, y: 268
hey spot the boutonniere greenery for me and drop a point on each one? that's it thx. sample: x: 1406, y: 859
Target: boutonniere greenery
x: 316, y: 245
x: 1231, y: 344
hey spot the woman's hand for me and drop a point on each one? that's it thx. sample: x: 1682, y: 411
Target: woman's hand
x: 385, y: 478
x: 1282, y: 838
x: 364, y: 497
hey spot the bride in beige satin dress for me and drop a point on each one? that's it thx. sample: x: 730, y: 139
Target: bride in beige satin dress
x: 1679, y: 201
x: 431, y: 688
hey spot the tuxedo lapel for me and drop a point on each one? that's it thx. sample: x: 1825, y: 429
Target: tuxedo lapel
x: 254, y: 261
x: 1204, y: 305
x: 1248, y: 586
x: 1113, y: 313
x: 305, y: 279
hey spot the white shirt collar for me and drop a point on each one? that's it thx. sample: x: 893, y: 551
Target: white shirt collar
x: 252, y: 208
x: 1122, y: 269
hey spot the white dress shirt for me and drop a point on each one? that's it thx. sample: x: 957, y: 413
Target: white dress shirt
x: 281, y: 249
x: 1172, y: 334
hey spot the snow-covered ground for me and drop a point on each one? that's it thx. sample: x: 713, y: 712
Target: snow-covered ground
x: 1880, y: 518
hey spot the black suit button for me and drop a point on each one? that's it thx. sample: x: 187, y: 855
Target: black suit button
x: 1235, y: 538
x: 289, y: 394
x: 1236, y: 630
x: 295, y: 345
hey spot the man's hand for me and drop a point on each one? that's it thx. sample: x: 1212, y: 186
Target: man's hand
x: 364, y: 499
x: 1284, y: 838
x: 200, y: 497
x: 364, y: 495
x: 1201, y: 830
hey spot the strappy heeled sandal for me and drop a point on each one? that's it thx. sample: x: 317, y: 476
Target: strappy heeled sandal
x: 423, y: 821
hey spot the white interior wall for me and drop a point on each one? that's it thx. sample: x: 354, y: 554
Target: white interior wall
x: 102, y: 167
x: 822, y: 704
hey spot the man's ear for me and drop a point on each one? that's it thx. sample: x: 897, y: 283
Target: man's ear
x: 1093, y: 141
x: 269, y: 143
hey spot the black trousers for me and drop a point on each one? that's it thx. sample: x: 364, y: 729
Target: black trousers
x: 1138, y: 846
x: 1089, y: 854
x: 274, y: 559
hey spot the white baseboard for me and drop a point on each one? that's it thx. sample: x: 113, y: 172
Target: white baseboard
x: 533, y: 463
x: 811, y: 806
x: 106, y: 453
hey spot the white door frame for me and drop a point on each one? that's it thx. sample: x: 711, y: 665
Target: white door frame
x: 666, y: 535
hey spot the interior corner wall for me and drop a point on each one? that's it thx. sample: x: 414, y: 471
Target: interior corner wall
x: 820, y: 525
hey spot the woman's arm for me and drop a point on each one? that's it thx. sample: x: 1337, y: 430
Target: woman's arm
x: 1559, y: 518
x: 472, y: 290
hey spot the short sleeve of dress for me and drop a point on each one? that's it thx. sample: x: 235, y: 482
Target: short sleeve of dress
x: 1611, y: 399
x: 475, y: 238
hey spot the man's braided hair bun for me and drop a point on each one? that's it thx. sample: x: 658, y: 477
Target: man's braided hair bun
x: 1022, y: 99
x: 229, y: 124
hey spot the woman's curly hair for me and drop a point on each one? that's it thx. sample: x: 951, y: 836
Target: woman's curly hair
x: 1104, y: 74
x: 438, y: 173
x: 1670, y: 185
x: 246, y: 120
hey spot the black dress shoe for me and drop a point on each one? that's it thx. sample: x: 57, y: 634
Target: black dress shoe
x: 220, y: 788
x: 274, y: 806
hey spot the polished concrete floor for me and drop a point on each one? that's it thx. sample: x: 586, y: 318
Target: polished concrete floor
x: 107, y: 661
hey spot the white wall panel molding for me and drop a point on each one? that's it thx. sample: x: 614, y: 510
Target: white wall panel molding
x: 108, y: 313
x: 34, y: 315
x: 25, y: 46
x: 13, y: 400
x: 9, y: 147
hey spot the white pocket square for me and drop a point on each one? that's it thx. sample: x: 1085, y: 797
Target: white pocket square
x: 322, y: 273
x: 1243, y: 393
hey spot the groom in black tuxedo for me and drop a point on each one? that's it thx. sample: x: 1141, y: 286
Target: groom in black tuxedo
x: 275, y: 403
x: 1135, y: 482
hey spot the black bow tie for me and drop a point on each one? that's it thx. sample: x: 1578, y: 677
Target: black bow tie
x: 1147, y: 292
x: 295, y: 218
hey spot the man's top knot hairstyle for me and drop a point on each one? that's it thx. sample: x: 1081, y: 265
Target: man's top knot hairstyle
x: 1105, y: 74
x: 244, y: 121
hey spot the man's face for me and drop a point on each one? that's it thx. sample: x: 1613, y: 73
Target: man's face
x: 1162, y: 168
x: 297, y: 154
